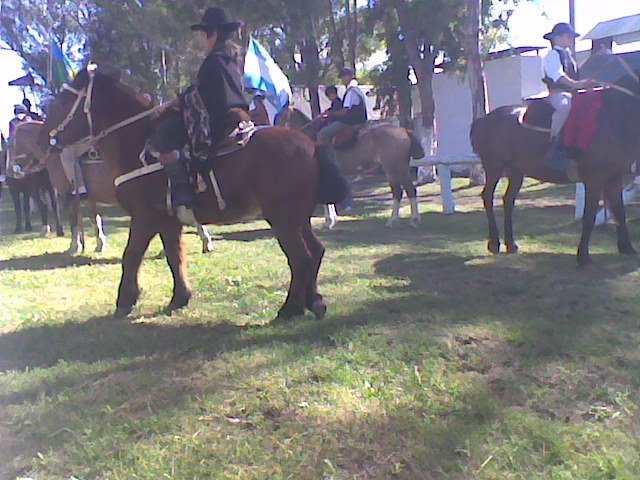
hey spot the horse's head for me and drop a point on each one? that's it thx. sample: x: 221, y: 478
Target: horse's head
x: 619, y: 70
x: 74, y: 113
x: 25, y: 141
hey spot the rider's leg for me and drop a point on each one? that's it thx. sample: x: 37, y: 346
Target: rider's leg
x: 327, y: 133
x: 556, y: 155
x: 168, y: 139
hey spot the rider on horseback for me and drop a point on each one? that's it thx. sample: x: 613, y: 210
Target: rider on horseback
x: 219, y: 88
x: 353, y: 112
x: 562, y: 78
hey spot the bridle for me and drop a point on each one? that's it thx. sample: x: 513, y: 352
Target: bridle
x: 86, y: 94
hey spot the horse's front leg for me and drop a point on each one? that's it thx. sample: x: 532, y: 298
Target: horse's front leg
x: 509, y: 201
x: 140, y: 234
x: 171, y: 234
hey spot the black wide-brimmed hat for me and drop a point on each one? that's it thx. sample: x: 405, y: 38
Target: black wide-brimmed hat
x: 560, y: 29
x: 216, y: 18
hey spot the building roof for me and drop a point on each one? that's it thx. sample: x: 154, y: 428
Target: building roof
x: 622, y: 30
x: 511, y: 52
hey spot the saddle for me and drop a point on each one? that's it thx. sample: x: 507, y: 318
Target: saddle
x: 581, y: 125
x: 236, y: 132
x: 348, y: 138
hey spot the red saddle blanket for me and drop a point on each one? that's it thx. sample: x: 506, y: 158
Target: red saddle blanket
x: 582, y: 123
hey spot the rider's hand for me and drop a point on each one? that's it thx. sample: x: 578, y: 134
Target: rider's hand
x: 588, y: 83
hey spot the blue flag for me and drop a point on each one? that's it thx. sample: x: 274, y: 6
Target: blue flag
x: 262, y: 73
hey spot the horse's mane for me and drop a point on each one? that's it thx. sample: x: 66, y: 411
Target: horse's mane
x: 300, y: 113
x: 607, y: 67
x: 111, y: 75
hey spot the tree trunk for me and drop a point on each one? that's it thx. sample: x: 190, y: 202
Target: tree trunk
x: 351, y: 33
x: 311, y: 60
x: 475, y: 65
x: 337, y: 55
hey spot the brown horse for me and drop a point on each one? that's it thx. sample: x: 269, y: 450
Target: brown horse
x: 98, y: 181
x: 509, y: 148
x: 389, y: 146
x: 280, y: 174
x: 26, y: 181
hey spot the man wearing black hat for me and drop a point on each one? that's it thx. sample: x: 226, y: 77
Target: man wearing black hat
x: 562, y: 78
x: 353, y: 112
x: 218, y: 89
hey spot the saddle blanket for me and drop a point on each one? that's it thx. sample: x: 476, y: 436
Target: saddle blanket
x: 582, y: 123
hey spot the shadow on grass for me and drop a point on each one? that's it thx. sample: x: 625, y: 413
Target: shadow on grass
x: 53, y: 261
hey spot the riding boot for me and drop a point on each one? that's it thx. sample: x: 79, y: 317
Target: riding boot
x: 182, y: 191
x: 556, y: 156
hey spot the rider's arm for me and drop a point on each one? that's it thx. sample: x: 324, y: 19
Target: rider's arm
x: 555, y: 71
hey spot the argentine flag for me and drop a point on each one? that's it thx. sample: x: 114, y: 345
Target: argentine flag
x: 262, y: 73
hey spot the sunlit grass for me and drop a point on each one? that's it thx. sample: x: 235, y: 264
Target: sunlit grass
x: 436, y: 360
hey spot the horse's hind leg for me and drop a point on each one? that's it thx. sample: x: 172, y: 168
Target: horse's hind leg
x: 290, y: 238
x: 171, y: 235
x: 15, y: 196
x: 492, y: 179
x: 208, y: 244
x: 592, y: 198
x: 313, y: 299
x: 55, y: 208
x: 44, y: 212
x: 96, y: 219
x: 509, y: 201
x: 140, y: 234
x: 396, y: 191
x: 412, y: 193
x: 77, y: 228
x: 26, y: 207
x: 613, y: 195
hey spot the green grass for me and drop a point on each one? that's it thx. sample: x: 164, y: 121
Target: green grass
x: 436, y: 361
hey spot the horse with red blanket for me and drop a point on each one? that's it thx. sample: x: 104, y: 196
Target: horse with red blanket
x: 602, y: 136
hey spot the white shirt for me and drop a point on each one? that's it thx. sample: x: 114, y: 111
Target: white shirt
x: 353, y: 96
x: 553, y: 64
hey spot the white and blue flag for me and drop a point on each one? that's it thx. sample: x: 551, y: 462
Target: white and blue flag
x: 263, y: 74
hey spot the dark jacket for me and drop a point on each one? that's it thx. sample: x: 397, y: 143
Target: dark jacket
x: 336, y: 105
x: 220, y: 83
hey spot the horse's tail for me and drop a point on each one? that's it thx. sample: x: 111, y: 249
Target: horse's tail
x: 416, y: 150
x: 475, y: 133
x: 333, y: 186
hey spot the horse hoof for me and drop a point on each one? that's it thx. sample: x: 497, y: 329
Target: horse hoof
x: 18, y: 231
x: 46, y: 231
x: 208, y: 247
x: 60, y: 233
x: 289, y: 313
x: 319, y: 309
x: 512, y: 249
x: 122, y: 312
x: 177, y: 304
x: 28, y: 229
x: 493, y: 247
x: 415, y: 222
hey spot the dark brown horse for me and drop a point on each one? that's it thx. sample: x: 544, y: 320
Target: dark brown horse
x: 388, y: 146
x: 280, y: 174
x: 508, y: 149
x: 25, y: 182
